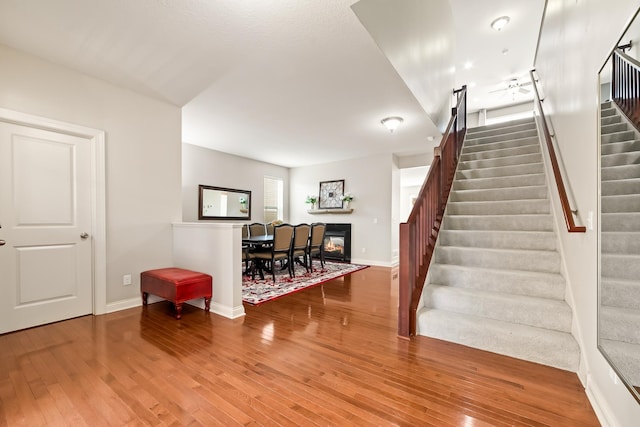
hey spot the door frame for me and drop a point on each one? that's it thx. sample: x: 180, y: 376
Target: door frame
x: 96, y: 139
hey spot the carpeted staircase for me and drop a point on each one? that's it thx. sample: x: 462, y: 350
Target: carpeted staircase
x: 494, y: 282
x: 620, y: 242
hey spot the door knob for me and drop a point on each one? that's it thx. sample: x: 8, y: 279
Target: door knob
x: 84, y: 235
x: 2, y: 242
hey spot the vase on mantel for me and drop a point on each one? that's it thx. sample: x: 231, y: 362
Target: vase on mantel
x: 313, y: 206
x: 347, y: 204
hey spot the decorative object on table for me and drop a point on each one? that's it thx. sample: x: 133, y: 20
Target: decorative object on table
x: 347, y: 198
x: 258, y: 291
x: 312, y: 200
x: 331, y: 193
x: 223, y: 203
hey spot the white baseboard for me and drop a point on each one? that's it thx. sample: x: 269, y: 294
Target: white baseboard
x: 599, y: 404
x: 124, y: 304
x: 222, y: 310
x: 372, y: 263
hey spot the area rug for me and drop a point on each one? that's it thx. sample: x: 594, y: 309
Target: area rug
x: 258, y: 291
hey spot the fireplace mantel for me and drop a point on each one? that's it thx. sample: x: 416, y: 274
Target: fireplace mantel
x: 329, y: 211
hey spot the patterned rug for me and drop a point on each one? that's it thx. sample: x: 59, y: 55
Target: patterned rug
x: 258, y: 291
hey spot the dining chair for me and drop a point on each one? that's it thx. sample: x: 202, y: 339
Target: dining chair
x: 257, y: 229
x: 300, y: 246
x: 269, y: 228
x: 247, y: 258
x: 280, y: 250
x: 245, y: 231
x: 316, y: 243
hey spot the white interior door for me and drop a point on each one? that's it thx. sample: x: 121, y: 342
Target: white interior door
x: 45, y: 215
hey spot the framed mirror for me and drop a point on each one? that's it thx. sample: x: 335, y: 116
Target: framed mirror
x: 619, y: 209
x: 223, y: 203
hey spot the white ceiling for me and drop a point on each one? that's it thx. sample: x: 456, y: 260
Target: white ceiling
x: 290, y: 82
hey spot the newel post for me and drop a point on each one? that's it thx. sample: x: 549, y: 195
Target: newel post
x: 405, y: 281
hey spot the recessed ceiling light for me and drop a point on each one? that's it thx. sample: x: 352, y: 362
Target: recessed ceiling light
x: 468, y: 65
x: 471, y: 84
x: 505, y: 51
x: 499, y: 23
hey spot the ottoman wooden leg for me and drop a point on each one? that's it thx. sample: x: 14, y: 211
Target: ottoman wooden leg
x: 178, y: 310
x: 207, y: 304
x: 145, y: 295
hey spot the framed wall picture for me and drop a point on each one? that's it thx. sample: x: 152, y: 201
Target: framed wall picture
x: 331, y: 193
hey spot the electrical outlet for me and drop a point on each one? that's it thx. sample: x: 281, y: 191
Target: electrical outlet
x: 590, y: 220
x: 126, y: 280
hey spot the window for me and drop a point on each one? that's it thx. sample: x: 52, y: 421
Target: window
x: 273, y: 199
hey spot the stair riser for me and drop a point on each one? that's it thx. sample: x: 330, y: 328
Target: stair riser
x: 507, y: 161
x: 621, y: 147
x: 608, y: 112
x: 551, y: 348
x: 497, y: 154
x: 610, y: 120
x: 499, y: 182
x: 541, y: 261
x: 484, y: 131
x: 619, y: 325
x: 511, y: 282
x: 620, y: 267
x: 625, y: 203
x: 473, y: 140
x: 620, y: 222
x: 622, y: 159
x: 516, y: 193
x: 529, y: 169
x: 617, y: 137
x: 468, y: 149
x: 614, y: 128
x: 544, y: 241
x: 620, y: 294
x: 615, y: 188
x: 620, y: 172
x: 503, y: 222
x: 535, y: 312
x: 620, y: 243
x: 499, y: 207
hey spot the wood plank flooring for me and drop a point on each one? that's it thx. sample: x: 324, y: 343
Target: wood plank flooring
x: 325, y: 356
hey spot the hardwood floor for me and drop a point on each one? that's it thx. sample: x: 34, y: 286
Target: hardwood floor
x: 325, y: 356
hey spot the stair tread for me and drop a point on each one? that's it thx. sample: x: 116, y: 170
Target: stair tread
x: 508, y: 338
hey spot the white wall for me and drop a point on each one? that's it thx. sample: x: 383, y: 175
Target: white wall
x: 209, y: 167
x: 370, y: 180
x: 142, y: 158
x: 418, y: 38
x: 576, y: 39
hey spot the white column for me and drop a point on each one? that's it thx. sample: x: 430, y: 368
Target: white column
x: 214, y: 249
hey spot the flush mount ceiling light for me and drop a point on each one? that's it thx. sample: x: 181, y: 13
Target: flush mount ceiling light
x: 499, y: 23
x: 392, y: 123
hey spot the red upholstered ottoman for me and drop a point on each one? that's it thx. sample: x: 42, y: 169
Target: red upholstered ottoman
x: 176, y: 285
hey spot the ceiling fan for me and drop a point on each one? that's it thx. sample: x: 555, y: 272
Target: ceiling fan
x: 514, y: 87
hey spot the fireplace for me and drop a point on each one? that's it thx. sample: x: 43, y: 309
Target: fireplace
x: 337, y: 242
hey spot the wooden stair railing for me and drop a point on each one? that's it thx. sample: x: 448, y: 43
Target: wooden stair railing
x: 562, y: 192
x: 625, y: 87
x: 418, y: 235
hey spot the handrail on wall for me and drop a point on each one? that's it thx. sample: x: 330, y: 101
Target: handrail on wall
x: 562, y: 192
x: 418, y: 235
